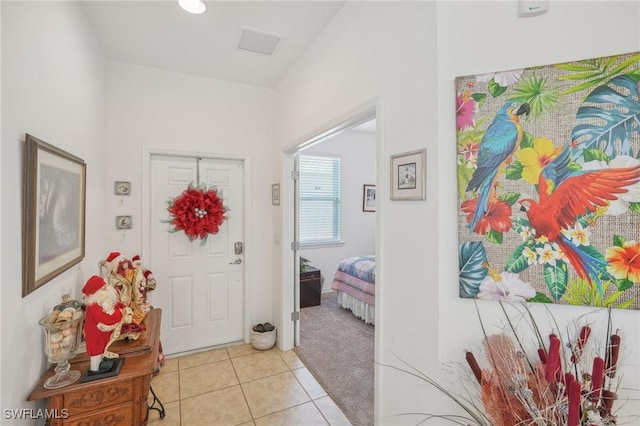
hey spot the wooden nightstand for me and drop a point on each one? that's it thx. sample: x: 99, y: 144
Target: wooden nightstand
x: 310, y: 287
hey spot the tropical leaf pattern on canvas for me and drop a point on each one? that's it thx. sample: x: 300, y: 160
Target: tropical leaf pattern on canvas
x: 471, y: 259
x: 538, y: 93
x: 593, y: 72
x: 580, y: 292
x: 556, y: 277
x: 608, y: 118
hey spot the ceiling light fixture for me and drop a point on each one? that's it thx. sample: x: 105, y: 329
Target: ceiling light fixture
x: 193, y: 6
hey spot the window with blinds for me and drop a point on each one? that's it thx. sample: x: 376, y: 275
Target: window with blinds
x: 320, y: 211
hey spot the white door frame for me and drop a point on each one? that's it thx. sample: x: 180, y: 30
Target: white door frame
x: 145, y: 223
x: 289, y: 304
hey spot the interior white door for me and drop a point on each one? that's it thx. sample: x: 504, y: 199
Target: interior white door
x: 200, y: 287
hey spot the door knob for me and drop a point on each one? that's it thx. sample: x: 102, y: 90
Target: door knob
x: 236, y: 262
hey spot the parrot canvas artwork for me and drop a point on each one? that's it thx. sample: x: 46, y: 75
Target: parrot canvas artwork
x: 548, y: 167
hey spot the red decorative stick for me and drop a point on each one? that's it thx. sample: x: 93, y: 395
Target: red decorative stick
x: 585, y: 332
x: 612, y: 355
x: 542, y: 355
x: 471, y: 360
x: 553, y: 360
x: 597, y: 376
x: 568, y: 378
x: 607, y: 400
x: 574, y: 402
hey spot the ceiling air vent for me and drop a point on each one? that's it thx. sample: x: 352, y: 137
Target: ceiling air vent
x: 258, y: 41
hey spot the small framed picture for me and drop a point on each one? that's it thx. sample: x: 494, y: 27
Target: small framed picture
x: 122, y: 188
x: 275, y: 194
x: 123, y: 222
x: 368, y: 198
x: 408, y: 175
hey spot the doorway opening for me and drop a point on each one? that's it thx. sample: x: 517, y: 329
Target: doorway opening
x: 355, y: 143
x: 336, y: 220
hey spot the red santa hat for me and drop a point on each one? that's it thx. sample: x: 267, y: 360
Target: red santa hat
x: 147, y: 273
x: 114, y: 259
x: 92, y: 285
x: 136, y: 261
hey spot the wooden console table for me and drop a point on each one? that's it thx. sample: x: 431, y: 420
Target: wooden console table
x: 119, y: 400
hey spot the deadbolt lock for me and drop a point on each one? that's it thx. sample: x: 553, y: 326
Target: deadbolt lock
x: 238, y: 247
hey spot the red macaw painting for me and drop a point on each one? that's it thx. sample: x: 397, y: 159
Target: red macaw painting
x: 549, y: 183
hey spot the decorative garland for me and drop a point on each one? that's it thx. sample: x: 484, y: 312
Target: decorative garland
x: 198, y: 211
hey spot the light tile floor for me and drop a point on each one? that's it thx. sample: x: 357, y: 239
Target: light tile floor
x: 239, y: 385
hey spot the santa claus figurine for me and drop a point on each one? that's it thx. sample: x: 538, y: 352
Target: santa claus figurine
x: 111, y: 262
x: 136, y: 261
x: 103, y: 314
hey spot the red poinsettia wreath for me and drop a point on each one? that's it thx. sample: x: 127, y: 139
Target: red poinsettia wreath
x: 198, y: 212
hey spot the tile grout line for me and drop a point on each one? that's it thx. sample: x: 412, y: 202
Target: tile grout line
x: 179, y: 393
x: 305, y: 389
x: 289, y: 368
x: 253, y: 419
x: 202, y: 365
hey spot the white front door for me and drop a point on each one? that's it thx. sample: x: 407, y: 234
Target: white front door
x: 200, y: 288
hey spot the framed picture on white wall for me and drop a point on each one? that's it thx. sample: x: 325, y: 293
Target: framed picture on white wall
x: 54, y: 219
x: 408, y: 175
x: 368, y: 198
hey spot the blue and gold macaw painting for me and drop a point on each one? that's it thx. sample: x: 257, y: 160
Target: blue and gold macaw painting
x: 548, y: 164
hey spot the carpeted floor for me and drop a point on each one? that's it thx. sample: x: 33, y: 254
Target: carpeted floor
x: 338, y: 349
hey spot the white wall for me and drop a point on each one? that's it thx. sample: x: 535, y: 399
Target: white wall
x: 407, y: 55
x: 53, y: 87
x: 382, y: 50
x: 481, y: 49
x: 357, y: 151
x: 149, y: 108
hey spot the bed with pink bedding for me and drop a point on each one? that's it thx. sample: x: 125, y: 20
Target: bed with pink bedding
x: 354, y: 282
